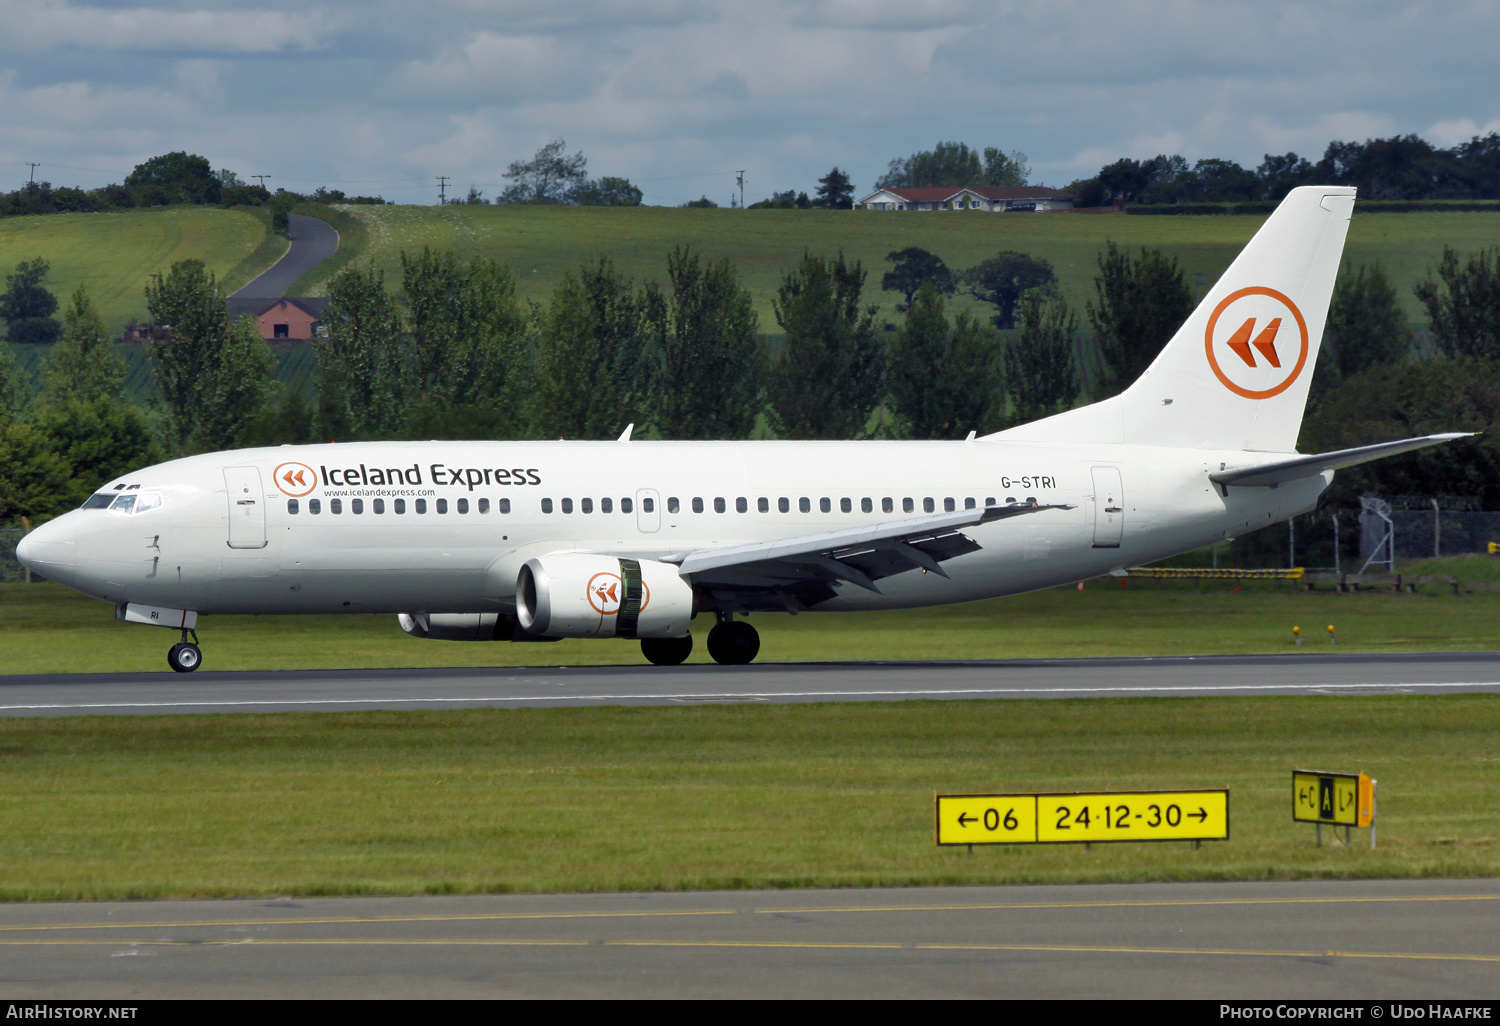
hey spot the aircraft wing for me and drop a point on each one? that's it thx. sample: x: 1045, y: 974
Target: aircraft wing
x: 797, y: 572
x: 1273, y: 474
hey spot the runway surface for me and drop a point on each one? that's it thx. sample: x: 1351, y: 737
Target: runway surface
x: 511, y: 687
x: 1332, y: 939
x: 313, y: 241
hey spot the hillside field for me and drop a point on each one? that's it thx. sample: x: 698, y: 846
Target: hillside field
x: 539, y: 243
x: 115, y: 254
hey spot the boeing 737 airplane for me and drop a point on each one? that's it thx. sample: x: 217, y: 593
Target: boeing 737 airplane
x: 534, y: 541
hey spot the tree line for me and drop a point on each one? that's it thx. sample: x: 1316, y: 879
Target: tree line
x: 453, y: 351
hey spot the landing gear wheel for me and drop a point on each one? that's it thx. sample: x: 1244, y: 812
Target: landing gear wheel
x: 184, y: 657
x: 733, y: 643
x: 667, y: 651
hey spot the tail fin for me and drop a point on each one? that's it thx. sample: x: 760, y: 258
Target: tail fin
x: 1236, y: 374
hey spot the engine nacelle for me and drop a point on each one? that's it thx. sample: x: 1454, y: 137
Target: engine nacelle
x: 574, y: 595
x: 465, y: 627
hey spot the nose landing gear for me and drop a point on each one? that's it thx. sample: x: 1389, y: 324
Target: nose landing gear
x: 733, y: 642
x: 185, y: 656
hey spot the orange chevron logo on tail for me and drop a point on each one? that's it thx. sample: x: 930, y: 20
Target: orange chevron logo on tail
x: 1265, y: 342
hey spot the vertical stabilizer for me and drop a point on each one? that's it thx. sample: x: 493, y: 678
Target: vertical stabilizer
x: 1236, y: 374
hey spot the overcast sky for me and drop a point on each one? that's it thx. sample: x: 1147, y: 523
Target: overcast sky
x: 382, y: 96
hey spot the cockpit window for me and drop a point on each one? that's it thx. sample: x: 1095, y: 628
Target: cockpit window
x: 148, y: 500
x: 99, y: 501
x: 124, y: 504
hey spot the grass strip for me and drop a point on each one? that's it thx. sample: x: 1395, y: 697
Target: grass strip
x: 45, y: 628
x: 743, y: 796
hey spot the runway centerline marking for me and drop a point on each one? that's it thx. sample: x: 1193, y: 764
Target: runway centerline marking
x: 762, y: 945
x: 501, y: 917
x: 746, y: 695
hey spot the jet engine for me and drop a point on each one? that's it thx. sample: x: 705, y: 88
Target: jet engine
x: 465, y: 627
x: 575, y: 595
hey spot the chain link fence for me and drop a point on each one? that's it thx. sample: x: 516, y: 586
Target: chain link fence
x: 10, y: 569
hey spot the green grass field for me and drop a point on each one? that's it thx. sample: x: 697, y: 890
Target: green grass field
x: 47, y: 629
x: 115, y: 254
x: 690, y: 797
x: 539, y: 243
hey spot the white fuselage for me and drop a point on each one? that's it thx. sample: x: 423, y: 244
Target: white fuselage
x: 224, y: 537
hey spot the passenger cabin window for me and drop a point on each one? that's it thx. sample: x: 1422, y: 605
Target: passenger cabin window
x: 335, y: 506
x: 463, y: 505
x: 969, y: 504
x: 356, y: 505
x: 1010, y: 500
x: 567, y: 505
x: 442, y: 505
x: 804, y: 504
x: 648, y: 505
x: 484, y: 505
x: 697, y: 505
x: 784, y: 504
x: 825, y: 505
x: 421, y: 505
x: 400, y: 505
x: 990, y: 501
x: 504, y: 505
x: 948, y: 505
x: 379, y: 505
x: 741, y: 505
x: 606, y: 505
x: 928, y: 506
x: 627, y: 506
x: 586, y: 505
x: 907, y: 506
x: 719, y: 505
x: 314, y: 506
x: 887, y: 505
x: 546, y: 505
x: 673, y: 506
x: 763, y: 504
x: 847, y: 505
x: 291, y: 506
x: 866, y: 505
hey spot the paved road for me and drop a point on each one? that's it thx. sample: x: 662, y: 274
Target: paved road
x: 313, y: 241
x: 327, y: 690
x: 1329, y: 939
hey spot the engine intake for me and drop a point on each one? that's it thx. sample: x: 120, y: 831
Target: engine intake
x: 575, y: 595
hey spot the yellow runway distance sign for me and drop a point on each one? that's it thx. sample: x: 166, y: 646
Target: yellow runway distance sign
x: 1344, y: 799
x: 1089, y: 817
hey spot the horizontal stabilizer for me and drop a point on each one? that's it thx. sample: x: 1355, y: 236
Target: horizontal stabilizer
x: 1268, y: 474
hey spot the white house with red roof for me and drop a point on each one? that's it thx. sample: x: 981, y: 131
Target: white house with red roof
x: 992, y: 198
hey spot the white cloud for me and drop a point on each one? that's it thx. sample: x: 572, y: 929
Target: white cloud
x: 1460, y: 130
x: 33, y: 26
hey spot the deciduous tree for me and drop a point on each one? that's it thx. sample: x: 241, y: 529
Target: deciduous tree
x: 1366, y: 327
x: 548, y: 177
x: 835, y: 191
x: 27, y: 307
x: 912, y: 268
x: 364, y: 365
x: 1003, y: 279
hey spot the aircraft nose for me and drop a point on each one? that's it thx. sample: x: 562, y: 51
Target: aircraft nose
x: 51, y: 550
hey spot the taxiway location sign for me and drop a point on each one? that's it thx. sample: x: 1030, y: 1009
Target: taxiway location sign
x: 1345, y: 799
x: 1079, y: 818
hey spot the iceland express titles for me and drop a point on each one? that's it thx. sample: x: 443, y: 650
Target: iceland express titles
x: 473, y: 477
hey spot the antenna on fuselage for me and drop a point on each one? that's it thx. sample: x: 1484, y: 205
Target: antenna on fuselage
x: 625, y: 435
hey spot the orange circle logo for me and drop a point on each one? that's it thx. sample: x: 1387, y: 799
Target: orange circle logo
x: 606, y: 592
x: 1256, y: 342
x: 295, y: 479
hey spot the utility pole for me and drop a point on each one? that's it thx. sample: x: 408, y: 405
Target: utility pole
x: 262, y: 179
x: 33, y: 167
x: 443, y: 181
x: 739, y: 178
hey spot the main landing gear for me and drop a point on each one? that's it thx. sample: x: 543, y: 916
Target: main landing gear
x: 733, y: 642
x: 667, y: 651
x: 185, y: 656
